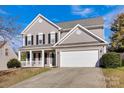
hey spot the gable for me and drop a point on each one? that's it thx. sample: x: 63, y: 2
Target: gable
x: 40, y: 25
x: 11, y: 52
x: 79, y: 36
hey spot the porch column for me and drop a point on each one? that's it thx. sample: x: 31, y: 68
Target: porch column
x: 26, y: 59
x: 19, y: 55
x: 56, y: 57
x: 30, y: 57
x: 42, y: 58
x: 50, y: 59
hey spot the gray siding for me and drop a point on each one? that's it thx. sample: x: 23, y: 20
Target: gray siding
x: 43, y: 27
x: 97, y: 31
x: 63, y: 33
x: 79, y: 36
x: 83, y: 22
x: 3, y: 58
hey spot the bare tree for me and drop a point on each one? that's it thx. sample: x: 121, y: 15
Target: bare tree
x: 9, y: 28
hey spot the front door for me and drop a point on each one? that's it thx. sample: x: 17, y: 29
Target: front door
x: 46, y: 59
x: 53, y: 59
x: 50, y: 59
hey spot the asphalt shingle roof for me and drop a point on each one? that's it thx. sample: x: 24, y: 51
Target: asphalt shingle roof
x: 83, y: 22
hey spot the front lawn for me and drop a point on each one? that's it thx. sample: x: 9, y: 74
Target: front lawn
x: 8, y: 78
x: 114, y: 77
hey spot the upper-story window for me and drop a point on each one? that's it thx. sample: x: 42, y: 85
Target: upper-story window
x: 6, y: 51
x: 52, y: 37
x: 40, y: 39
x: 29, y: 40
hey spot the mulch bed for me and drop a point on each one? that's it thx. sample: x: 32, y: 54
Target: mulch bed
x: 5, y: 72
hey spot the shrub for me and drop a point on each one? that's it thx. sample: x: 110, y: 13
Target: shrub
x: 13, y: 63
x: 23, y: 56
x: 122, y: 62
x: 110, y: 60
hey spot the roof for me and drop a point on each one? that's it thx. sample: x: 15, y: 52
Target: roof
x: 73, y: 29
x: 82, y: 22
x: 34, y: 20
x: 2, y: 43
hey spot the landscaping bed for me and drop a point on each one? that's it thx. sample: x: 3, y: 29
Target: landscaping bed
x: 114, y: 77
x: 13, y: 76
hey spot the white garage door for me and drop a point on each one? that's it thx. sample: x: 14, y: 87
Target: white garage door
x: 79, y: 58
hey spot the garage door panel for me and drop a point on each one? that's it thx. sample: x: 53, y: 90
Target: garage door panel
x: 79, y: 58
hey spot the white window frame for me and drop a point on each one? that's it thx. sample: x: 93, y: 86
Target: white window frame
x: 23, y: 37
x: 29, y: 39
x: 52, y: 37
x: 40, y: 37
x: 6, y: 52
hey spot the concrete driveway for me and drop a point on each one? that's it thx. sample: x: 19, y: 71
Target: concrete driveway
x: 66, y: 78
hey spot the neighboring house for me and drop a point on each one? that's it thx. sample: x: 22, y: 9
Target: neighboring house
x: 6, y: 53
x: 78, y: 43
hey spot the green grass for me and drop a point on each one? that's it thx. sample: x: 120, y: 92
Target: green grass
x: 20, y: 75
x: 114, y: 77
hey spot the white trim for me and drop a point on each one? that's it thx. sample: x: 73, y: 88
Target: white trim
x: 52, y: 32
x: 42, y: 58
x: 65, y: 36
x: 52, y: 37
x: 73, y: 29
x: 28, y: 34
x: 85, y: 45
x: 32, y: 22
x: 40, y: 33
x: 23, y: 40
x: 30, y: 60
x: 59, y: 37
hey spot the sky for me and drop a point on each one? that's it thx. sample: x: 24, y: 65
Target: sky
x: 26, y: 14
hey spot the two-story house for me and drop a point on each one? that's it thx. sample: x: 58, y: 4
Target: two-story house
x: 77, y: 43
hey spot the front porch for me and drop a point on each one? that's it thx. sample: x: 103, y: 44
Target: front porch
x: 43, y: 58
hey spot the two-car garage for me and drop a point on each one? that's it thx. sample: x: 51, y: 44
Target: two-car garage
x: 86, y: 58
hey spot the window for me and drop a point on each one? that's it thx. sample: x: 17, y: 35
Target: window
x: 29, y: 40
x: 52, y: 35
x: 6, y: 52
x: 40, y: 41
